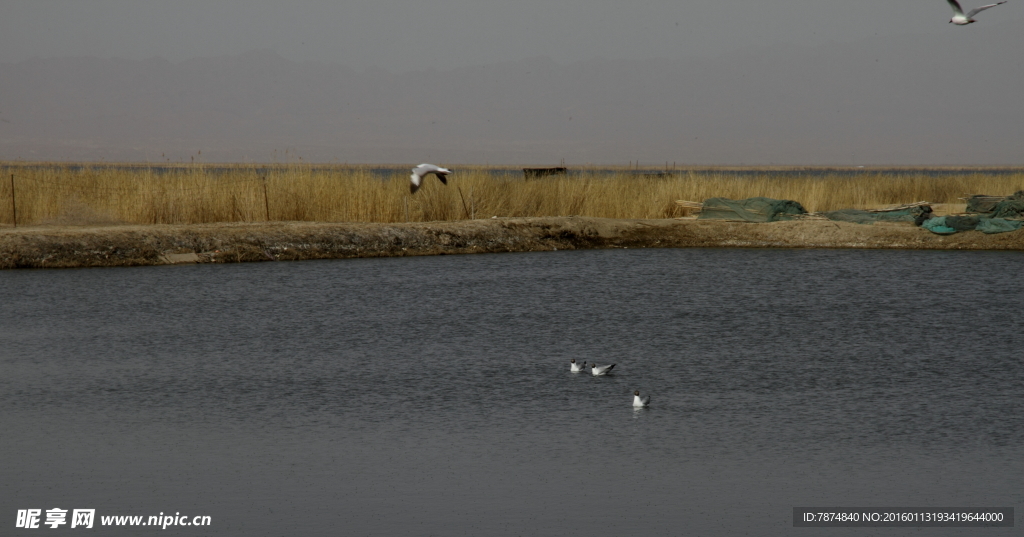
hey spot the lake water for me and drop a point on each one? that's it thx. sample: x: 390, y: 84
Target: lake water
x: 432, y: 395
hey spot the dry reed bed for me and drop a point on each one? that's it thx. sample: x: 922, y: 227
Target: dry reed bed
x: 84, y: 194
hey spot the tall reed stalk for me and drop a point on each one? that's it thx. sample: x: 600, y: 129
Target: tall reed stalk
x: 88, y: 194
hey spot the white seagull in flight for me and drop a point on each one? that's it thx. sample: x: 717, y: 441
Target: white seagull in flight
x: 958, y: 12
x: 423, y: 170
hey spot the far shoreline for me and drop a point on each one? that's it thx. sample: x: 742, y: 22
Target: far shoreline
x: 148, y: 245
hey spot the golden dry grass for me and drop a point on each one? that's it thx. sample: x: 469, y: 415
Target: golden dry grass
x: 141, y: 194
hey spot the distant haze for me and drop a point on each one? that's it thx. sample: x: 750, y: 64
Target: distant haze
x: 452, y: 81
x: 409, y: 35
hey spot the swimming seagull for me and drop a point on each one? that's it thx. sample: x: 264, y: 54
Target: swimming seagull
x: 640, y: 403
x: 958, y: 12
x: 423, y: 170
x: 600, y: 370
x: 576, y: 367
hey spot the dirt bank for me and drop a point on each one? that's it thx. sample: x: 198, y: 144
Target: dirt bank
x: 108, y: 246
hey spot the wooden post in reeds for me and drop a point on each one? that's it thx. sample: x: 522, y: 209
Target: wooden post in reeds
x: 266, y: 200
x: 464, y: 206
x: 14, y: 203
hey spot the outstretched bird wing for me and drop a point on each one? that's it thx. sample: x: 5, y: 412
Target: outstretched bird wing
x: 977, y: 10
x: 423, y: 170
x: 956, y: 7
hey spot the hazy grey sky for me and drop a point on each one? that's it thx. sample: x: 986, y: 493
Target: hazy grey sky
x: 402, y: 35
x: 715, y: 82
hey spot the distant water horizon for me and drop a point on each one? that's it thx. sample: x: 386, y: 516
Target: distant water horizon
x: 646, y: 170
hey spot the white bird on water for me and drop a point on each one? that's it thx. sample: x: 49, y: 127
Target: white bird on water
x: 639, y: 402
x: 958, y: 12
x: 575, y: 366
x: 600, y: 370
x: 423, y: 170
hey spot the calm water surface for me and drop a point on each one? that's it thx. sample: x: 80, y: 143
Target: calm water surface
x: 431, y: 396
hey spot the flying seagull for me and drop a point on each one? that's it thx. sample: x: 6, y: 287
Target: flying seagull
x: 423, y: 170
x: 575, y: 366
x: 958, y: 12
x: 599, y: 370
x: 639, y: 402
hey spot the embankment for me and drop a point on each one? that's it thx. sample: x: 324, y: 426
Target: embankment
x: 129, y: 245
